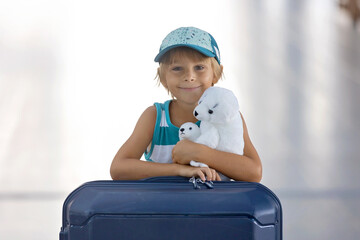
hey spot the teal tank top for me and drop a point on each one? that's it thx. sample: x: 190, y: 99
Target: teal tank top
x: 165, y: 136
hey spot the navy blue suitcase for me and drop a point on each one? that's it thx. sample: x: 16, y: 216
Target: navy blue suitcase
x: 171, y: 208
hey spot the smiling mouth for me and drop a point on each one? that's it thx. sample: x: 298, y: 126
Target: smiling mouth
x: 189, y: 88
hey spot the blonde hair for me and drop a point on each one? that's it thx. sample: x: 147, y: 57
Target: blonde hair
x: 179, y: 52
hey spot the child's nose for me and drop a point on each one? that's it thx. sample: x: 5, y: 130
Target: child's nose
x: 189, y: 76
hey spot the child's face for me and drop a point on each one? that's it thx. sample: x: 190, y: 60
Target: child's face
x: 187, y: 78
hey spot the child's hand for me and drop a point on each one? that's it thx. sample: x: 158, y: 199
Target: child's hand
x: 204, y: 173
x: 185, y: 151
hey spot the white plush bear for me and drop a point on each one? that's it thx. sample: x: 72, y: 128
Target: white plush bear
x: 221, y: 124
x: 218, y: 110
x: 191, y: 131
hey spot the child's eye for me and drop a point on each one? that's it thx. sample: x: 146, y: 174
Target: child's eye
x: 199, y: 67
x: 176, y: 68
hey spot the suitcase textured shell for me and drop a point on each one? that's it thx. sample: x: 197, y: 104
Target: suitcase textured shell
x: 170, y: 208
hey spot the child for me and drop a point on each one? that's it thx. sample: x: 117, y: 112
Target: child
x: 189, y: 64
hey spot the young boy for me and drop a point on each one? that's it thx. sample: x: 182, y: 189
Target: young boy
x: 189, y: 64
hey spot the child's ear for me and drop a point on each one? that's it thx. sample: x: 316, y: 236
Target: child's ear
x: 216, y: 79
x: 162, y: 78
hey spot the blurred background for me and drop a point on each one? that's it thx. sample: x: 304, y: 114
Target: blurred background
x: 76, y: 75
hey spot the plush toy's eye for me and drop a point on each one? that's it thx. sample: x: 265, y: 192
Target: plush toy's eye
x: 190, y: 128
x: 215, y: 105
x: 200, y: 102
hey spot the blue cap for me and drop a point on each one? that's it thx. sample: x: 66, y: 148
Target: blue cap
x: 190, y: 37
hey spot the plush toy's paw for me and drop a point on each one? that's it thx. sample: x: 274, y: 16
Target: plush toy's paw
x: 194, y: 163
x: 197, y: 164
x: 203, y: 165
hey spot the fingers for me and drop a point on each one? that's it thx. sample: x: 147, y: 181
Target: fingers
x: 204, y: 173
x: 201, y: 175
x: 211, y: 174
x: 218, y: 178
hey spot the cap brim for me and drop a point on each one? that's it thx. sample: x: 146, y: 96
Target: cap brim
x: 204, y: 51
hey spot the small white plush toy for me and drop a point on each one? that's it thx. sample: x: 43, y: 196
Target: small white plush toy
x: 221, y: 125
x: 191, y: 131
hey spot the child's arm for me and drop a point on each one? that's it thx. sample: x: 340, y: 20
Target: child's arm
x: 245, y: 167
x: 128, y: 166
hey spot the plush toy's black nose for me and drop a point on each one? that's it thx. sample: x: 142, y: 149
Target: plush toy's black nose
x: 195, y: 113
x: 182, y: 129
x: 211, y: 111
